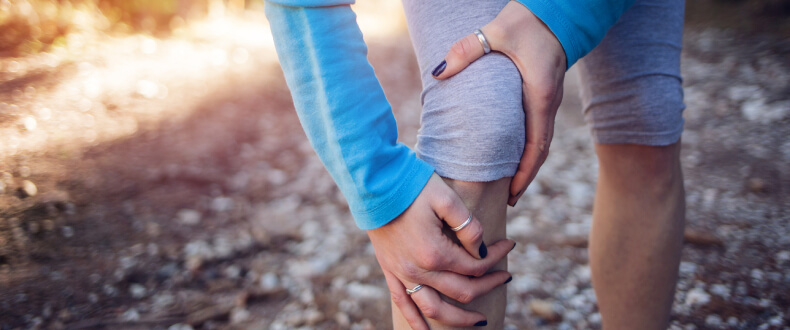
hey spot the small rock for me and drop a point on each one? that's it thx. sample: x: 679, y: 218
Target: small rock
x: 756, y: 110
x: 93, y: 298
x: 137, y: 291
x: 189, y: 217
x: 713, y: 321
x: 28, y: 189
x: 544, y: 309
x: 131, y: 315
x: 782, y: 256
x: 362, y: 272
x: 312, y: 316
x: 757, y: 274
x: 180, y: 326
x: 720, y: 290
x: 163, y: 300
x: 67, y: 231
x: 269, y: 281
x: 365, y: 291
x: 239, y: 315
x: 342, y: 319
x: 696, y: 297
x: 232, y: 272
x: 221, y: 204
x: 732, y: 321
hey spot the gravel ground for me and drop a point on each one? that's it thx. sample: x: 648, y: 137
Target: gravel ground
x: 167, y: 184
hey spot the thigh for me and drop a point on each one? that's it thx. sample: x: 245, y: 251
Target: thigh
x: 472, y: 125
x: 630, y: 84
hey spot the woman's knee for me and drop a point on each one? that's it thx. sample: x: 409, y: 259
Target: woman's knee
x: 473, y: 123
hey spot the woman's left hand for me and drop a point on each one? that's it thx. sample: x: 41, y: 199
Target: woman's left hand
x: 540, y: 59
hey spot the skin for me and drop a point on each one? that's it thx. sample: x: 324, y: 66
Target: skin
x: 487, y: 200
x: 637, y: 234
x: 431, y: 258
x: 640, y: 202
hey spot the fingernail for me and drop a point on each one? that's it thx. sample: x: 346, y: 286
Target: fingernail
x: 514, y: 203
x: 483, y: 250
x: 439, y: 69
x: 481, y: 323
x: 509, y: 279
x: 514, y: 246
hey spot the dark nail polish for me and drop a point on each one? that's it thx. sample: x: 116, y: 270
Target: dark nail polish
x: 439, y: 69
x: 509, y: 279
x: 514, y: 203
x: 483, y: 250
x: 514, y: 246
x: 481, y: 323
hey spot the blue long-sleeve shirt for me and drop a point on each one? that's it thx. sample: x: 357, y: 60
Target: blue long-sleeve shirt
x: 342, y: 106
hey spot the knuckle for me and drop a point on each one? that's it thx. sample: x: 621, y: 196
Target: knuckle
x: 479, y: 271
x: 397, y: 298
x: 430, y: 261
x: 445, y: 202
x: 475, y: 232
x: 463, y: 47
x: 412, y: 272
x: 465, y: 297
x: 430, y: 311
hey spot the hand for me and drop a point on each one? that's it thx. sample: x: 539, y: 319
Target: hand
x: 540, y: 59
x: 412, y: 249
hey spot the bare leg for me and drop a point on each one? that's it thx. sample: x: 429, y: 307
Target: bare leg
x: 637, y: 234
x: 487, y: 200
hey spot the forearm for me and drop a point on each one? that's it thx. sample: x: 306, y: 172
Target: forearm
x: 343, y: 110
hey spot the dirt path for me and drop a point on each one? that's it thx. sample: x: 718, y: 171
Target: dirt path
x: 167, y: 184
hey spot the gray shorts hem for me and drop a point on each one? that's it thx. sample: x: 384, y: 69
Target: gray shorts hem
x: 640, y: 138
x: 471, y: 172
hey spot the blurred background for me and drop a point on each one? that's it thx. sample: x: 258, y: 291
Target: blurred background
x: 153, y: 175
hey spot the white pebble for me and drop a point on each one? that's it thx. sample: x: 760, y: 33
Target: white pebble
x: 713, y: 320
x: 697, y: 297
x: 269, y: 281
x: 131, y: 315
x: 189, y: 217
x: 137, y: 291
x: 67, y: 231
x: 239, y: 315
x: 720, y: 290
x: 180, y: 326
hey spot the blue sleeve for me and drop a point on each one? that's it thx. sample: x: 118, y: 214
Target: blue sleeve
x: 343, y: 110
x: 579, y: 25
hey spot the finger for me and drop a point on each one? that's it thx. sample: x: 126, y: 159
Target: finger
x: 540, y: 105
x: 464, y: 289
x: 433, y: 307
x: 452, y: 210
x: 461, y: 54
x: 462, y: 263
x: 404, y: 303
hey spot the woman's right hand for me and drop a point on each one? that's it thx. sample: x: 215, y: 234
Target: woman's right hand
x: 412, y: 249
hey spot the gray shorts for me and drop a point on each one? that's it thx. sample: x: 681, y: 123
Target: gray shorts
x: 472, y: 125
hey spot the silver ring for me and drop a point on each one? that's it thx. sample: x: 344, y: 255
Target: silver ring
x: 416, y: 288
x: 466, y: 223
x: 483, y: 41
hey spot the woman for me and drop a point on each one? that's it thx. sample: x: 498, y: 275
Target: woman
x: 486, y: 132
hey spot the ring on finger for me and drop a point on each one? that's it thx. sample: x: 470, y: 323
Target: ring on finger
x: 466, y: 223
x: 483, y: 41
x: 416, y: 288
